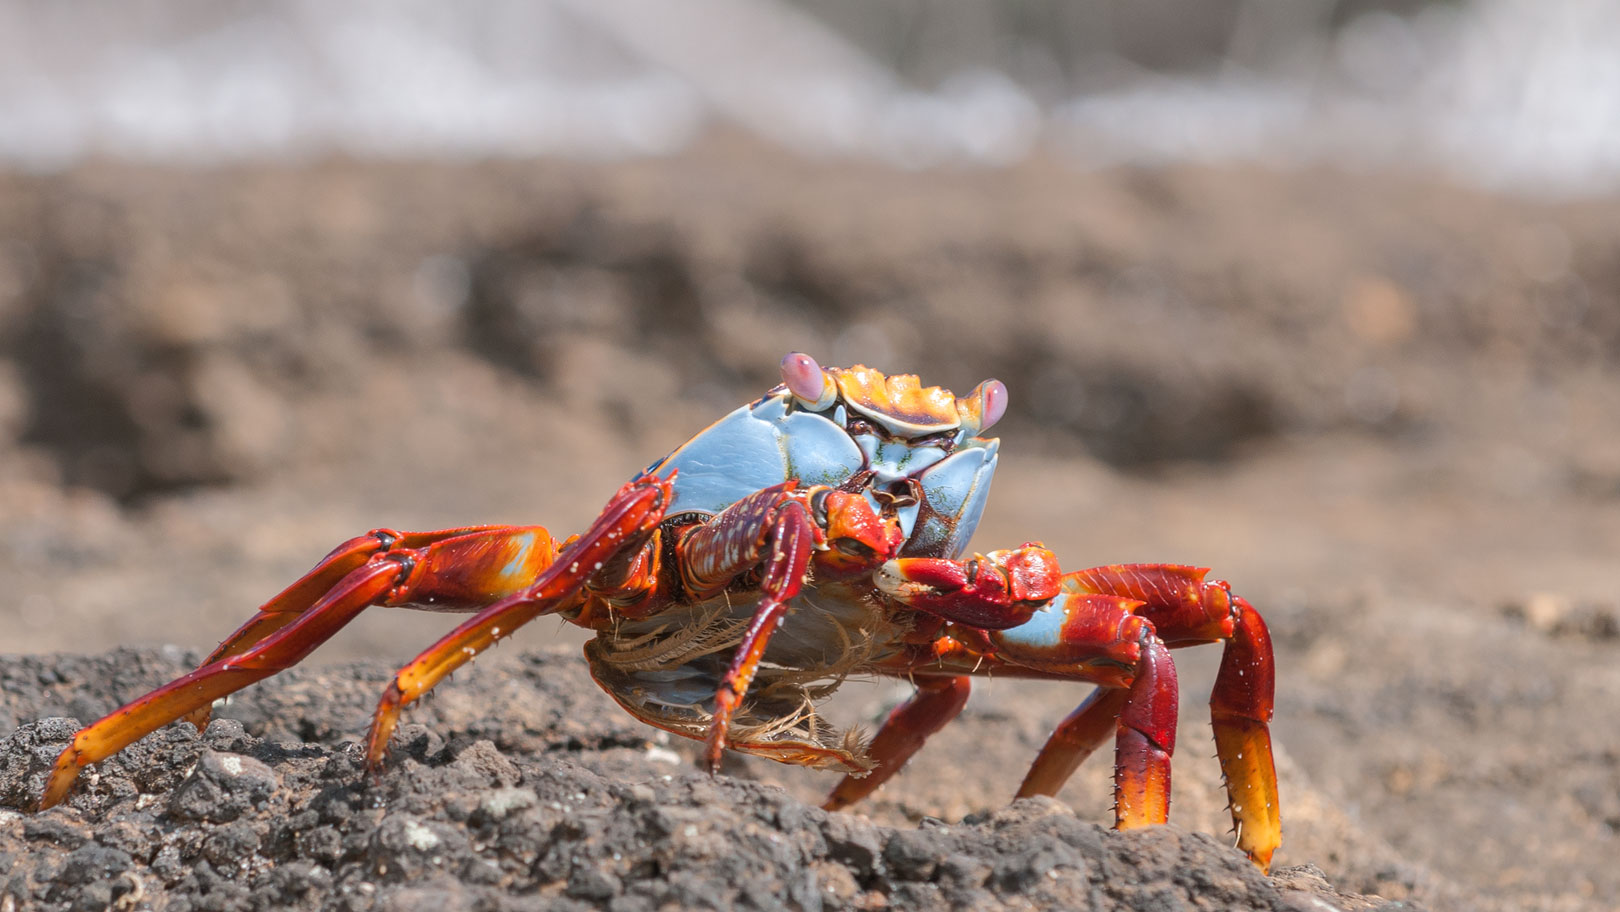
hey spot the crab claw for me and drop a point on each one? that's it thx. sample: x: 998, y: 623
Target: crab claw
x: 992, y: 591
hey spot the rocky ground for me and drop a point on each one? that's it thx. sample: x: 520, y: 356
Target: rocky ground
x: 554, y: 799
x: 1384, y: 408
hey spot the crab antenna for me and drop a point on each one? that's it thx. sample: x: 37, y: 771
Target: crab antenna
x: 807, y: 382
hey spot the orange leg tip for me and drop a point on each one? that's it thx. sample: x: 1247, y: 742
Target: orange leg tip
x: 713, y: 750
x: 1141, y: 783
x: 1244, y: 747
x: 1142, y: 803
x: 64, y: 775
x: 382, y: 729
x: 1142, y: 797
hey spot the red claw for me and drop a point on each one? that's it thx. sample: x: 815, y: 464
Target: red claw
x: 992, y: 591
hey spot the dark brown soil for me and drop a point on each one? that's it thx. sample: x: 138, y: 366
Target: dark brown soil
x: 1386, y: 409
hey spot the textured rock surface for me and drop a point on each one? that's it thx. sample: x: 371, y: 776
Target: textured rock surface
x: 562, y: 815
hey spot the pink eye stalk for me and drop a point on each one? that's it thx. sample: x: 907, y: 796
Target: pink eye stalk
x: 983, y: 407
x: 806, y: 381
x: 993, y: 393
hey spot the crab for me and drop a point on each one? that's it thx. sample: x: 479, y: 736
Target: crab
x: 814, y: 534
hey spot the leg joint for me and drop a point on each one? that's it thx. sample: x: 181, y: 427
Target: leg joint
x: 402, y: 586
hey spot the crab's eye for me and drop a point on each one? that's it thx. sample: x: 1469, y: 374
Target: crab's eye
x: 994, y: 395
x: 983, y: 407
x: 807, y: 382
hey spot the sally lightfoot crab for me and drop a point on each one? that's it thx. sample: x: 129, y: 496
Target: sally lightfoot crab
x: 816, y: 533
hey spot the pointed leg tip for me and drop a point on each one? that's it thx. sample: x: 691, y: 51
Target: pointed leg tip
x: 376, y: 759
x: 1261, y: 854
x: 837, y: 801
x: 58, y: 786
x: 714, y: 751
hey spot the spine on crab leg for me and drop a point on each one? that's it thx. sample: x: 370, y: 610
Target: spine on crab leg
x: 624, y: 524
x: 449, y: 568
x: 936, y: 702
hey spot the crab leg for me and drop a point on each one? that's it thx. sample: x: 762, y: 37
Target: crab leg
x: 1077, y: 737
x: 1146, y: 738
x: 1240, y: 706
x: 769, y: 525
x: 624, y: 524
x: 1099, y: 638
x: 454, y: 569
x: 936, y: 702
x: 1186, y: 609
x: 383, y: 567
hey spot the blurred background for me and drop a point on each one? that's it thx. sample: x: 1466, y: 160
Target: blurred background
x: 1322, y: 294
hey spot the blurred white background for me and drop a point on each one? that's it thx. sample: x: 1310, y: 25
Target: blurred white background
x: 1512, y: 94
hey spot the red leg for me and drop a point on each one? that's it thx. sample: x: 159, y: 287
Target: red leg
x: 936, y: 702
x: 454, y: 569
x: 379, y: 568
x: 1187, y: 609
x: 1139, y: 707
x: 624, y: 524
x: 1241, y: 707
x: 1076, y: 738
x: 1147, y: 738
x: 770, y: 526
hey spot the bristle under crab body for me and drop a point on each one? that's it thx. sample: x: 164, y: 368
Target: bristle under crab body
x: 666, y: 669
